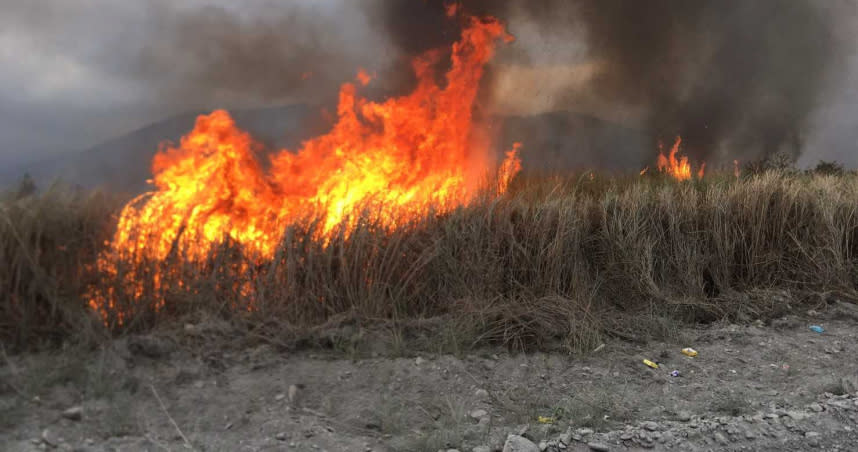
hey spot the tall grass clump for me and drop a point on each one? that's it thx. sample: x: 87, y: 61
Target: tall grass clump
x: 48, y: 244
x: 556, y: 260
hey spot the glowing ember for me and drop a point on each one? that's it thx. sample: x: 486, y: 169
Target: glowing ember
x: 405, y: 156
x: 678, y: 168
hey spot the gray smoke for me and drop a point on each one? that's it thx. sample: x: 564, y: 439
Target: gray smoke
x: 734, y: 78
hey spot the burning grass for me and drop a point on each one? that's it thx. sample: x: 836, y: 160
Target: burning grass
x: 553, y: 261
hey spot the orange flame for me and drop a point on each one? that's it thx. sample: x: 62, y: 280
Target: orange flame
x: 678, y: 168
x: 363, y: 77
x: 406, y: 155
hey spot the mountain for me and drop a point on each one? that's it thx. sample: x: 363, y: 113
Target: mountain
x: 554, y: 141
x: 124, y: 163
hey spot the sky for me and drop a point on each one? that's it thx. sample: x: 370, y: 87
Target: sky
x: 78, y: 72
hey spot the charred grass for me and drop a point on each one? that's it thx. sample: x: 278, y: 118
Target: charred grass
x: 556, y: 263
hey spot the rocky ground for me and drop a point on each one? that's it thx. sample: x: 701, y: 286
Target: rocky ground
x: 772, y: 387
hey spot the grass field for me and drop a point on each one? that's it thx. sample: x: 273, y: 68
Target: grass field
x: 555, y: 262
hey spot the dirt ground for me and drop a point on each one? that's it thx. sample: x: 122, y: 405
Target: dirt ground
x: 779, y: 386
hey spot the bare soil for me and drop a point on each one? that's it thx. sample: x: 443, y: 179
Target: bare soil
x: 779, y: 386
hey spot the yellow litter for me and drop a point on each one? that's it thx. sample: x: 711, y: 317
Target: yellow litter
x: 650, y: 364
x: 689, y: 352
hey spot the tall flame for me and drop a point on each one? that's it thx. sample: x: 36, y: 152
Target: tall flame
x: 677, y: 167
x: 405, y: 155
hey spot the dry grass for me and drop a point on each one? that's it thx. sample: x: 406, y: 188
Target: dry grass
x: 557, y: 261
x: 48, y: 244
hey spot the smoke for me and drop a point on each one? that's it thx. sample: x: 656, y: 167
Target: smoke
x: 732, y: 77
x: 296, y: 51
x: 735, y: 78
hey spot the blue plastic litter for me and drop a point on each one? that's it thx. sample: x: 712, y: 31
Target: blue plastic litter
x: 817, y: 329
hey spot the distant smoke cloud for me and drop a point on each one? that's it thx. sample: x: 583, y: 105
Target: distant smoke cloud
x: 282, y: 51
x: 733, y: 77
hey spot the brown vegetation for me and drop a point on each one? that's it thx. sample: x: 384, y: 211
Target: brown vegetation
x: 556, y: 261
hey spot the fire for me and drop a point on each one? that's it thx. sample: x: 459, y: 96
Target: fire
x: 678, y: 168
x: 403, y: 156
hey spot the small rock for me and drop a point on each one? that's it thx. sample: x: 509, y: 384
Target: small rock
x: 481, y: 393
x: 482, y: 449
x: 279, y: 397
x: 478, y: 414
x: 750, y: 434
x: 683, y: 416
x: 452, y: 450
x: 811, y: 434
x: 566, y: 438
x: 816, y: 408
x: 625, y: 436
x: 282, y: 436
x: 516, y: 443
x: 74, y: 413
x: 542, y: 446
x: 49, y: 438
x: 293, y: 393
x: 584, y: 432
x: 651, y: 426
x: 720, y: 438
x: 598, y: 447
x: 419, y: 360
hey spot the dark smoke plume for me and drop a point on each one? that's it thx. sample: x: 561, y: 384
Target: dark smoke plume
x: 294, y: 51
x: 732, y: 77
x: 742, y: 74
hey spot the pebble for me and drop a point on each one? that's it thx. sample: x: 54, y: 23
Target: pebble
x: 482, y: 449
x: 683, y: 416
x: 598, y: 447
x: 282, y: 436
x: 516, y: 443
x: 479, y: 414
x: 481, y: 393
x: 651, y: 426
x: 419, y: 360
x: 74, y: 413
x: 293, y: 393
x: 49, y: 439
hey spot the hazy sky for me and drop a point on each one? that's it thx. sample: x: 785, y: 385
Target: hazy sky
x: 77, y: 72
